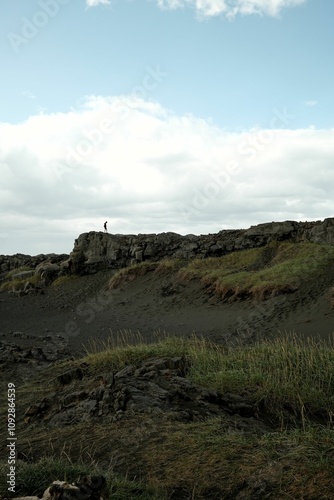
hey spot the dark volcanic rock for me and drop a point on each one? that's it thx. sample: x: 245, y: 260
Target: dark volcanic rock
x: 10, y: 262
x: 155, y: 387
x: 31, y: 353
x: 96, y: 250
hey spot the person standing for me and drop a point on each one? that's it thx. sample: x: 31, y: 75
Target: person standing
x: 105, y: 226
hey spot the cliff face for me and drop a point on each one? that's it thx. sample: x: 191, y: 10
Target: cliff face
x: 10, y: 262
x: 96, y: 250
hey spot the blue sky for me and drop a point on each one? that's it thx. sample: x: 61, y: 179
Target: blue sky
x: 162, y: 115
x: 233, y: 71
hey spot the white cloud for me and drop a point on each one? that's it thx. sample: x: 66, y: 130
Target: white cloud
x: 145, y: 169
x: 310, y: 103
x: 231, y: 8
x: 95, y: 3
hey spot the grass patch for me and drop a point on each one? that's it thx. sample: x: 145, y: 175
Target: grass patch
x: 235, y: 262
x: 128, y: 348
x: 18, y: 270
x: 63, y: 280
x: 201, y: 460
x: 167, y: 266
x: 9, y: 283
x: 258, y: 273
x: 128, y: 274
x: 34, y: 478
x: 210, y: 461
x: 18, y: 284
x: 261, y: 272
x: 290, y: 379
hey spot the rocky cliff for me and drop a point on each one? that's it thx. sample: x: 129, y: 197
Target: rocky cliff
x: 95, y: 250
x: 10, y: 262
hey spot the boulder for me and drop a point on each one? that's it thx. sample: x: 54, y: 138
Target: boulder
x: 47, y: 267
x: 323, y: 232
x: 267, y: 232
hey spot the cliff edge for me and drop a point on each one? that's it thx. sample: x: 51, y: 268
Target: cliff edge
x: 97, y: 250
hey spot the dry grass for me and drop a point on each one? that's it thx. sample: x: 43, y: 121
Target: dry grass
x: 170, y: 266
x: 208, y: 462
x: 18, y: 284
x: 263, y: 272
x: 258, y: 273
x: 33, y: 478
x: 18, y: 270
x: 127, y: 348
x: 291, y: 382
x: 199, y: 460
x: 63, y: 280
x: 130, y: 273
x: 293, y: 379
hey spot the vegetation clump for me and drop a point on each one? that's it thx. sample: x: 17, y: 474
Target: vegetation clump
x: 130, y: 273
x: 18, y: 284
x: 291, y: 378
x: 284, y: 451
x: 257, y: 273
x: 62, y: 280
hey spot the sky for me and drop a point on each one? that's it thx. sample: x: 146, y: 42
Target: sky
x: 189, y: 116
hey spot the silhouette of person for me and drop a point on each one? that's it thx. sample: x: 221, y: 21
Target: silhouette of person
x: 105, y: 226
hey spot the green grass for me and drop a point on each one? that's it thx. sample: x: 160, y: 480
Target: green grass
x: 18, y: 284
x: 167, y: 266
x: 210, y: 461
x: 63, y: 280
x: 9, y: 283
x: 130, y: 273
x: 197, y: 460
x: 290, y: 382
x: 251, y: 273
x: 34, y: 478
x: 290, y: 378
x: 257, y: 273
x: 18, y: 270
x: 130, y: 348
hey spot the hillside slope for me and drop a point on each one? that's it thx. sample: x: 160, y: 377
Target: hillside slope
x: 179, y: 418
x: 174, y: 300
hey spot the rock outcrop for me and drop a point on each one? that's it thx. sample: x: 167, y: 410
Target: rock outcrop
x: 25, y: 354
x: 10, y: 262
x: 96, y: 250
x: 157, y: 387
x: 50, y: 349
